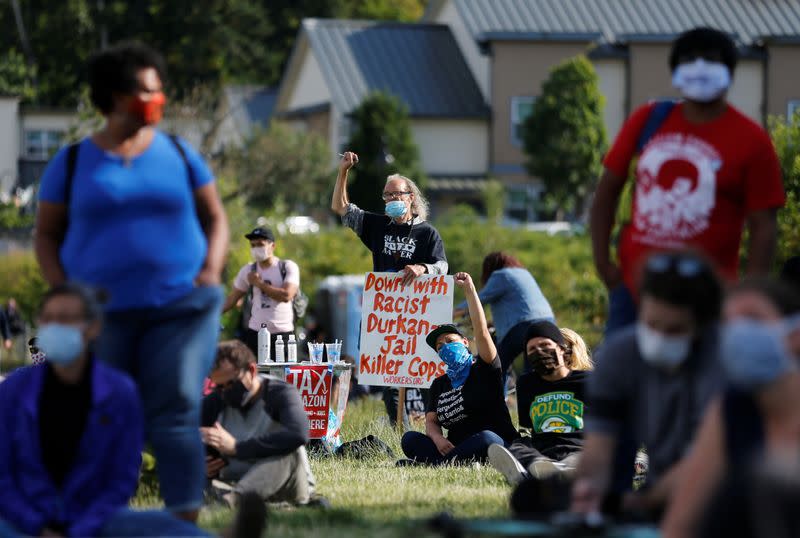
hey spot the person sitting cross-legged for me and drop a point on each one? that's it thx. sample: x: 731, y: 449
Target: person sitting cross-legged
x: 255, y: 430
x: 550, y: 402
x: 468, y: 400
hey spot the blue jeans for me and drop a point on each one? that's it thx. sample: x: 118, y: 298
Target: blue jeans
x: 418, y: 446
x: 169, y: 351
x: 132, y: 523
x: 622, y: 310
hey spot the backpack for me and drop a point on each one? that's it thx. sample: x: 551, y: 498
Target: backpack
x: 299, y: 303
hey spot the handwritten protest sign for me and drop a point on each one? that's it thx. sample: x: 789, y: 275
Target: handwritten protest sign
x: 314, y: 384
x: 394, y: 322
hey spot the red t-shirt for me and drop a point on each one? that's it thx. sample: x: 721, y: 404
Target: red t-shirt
x: 695, y: 186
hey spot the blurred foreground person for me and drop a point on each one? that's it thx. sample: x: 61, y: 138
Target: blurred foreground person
x: 136, y: 212
x: 754, y: 427
x: 71, y: 436
x: 651, y: 385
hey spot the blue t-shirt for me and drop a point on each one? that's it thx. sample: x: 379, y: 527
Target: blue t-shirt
x: 133, y: 229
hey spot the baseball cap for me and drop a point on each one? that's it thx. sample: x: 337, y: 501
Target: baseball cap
x: 261, y: 233
x: 544, y: 329
x: 447, y: 328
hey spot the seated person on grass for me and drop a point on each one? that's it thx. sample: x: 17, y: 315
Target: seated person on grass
x: 71, y: 436
x: 255, y: 429
x: 651, y: 385
x: 550, y: 402
x: 468, y: 400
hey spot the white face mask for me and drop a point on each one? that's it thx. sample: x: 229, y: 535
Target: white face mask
x: 259, y: 253
x: 661, y: 350
x: 701, y: 81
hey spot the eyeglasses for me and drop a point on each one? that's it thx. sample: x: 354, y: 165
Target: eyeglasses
x: 394, y: 194
x: 685, y: 266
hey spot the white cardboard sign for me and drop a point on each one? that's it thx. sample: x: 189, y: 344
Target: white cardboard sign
x: 395, y: 320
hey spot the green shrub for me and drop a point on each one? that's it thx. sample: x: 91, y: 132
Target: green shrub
x: 20, y: 278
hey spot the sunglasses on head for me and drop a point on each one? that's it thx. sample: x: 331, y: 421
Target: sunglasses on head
x: 683, y: 265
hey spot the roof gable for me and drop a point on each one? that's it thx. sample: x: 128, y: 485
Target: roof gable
x: 419, y: 63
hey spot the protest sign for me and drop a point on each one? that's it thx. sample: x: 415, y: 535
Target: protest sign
x: 395, y: 320
x: 313, y: 382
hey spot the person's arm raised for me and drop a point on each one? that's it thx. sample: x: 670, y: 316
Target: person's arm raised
x: 339, y: 201
x: 486, y: 348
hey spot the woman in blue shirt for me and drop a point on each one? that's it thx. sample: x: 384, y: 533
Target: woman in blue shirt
x: 136, y: 212
x: 516, y: 300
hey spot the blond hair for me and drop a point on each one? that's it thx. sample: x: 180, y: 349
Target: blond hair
x: 419, y: 205
x: 579, y: 357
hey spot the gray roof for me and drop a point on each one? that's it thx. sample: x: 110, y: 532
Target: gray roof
x: 251, y: 105
x: 628, y: 20
x: 419, y: 63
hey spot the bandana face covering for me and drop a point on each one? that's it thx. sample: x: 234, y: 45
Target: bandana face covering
x: 458, y: 360
x: 544, y: 361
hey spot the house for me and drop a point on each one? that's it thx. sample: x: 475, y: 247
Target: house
x: 336, y: 63
x: 510, y: 46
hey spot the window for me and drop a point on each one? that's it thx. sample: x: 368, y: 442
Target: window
x: 520, y: 202
x: 42, y: 144
x: 521, y: 108
x: 792, y: 107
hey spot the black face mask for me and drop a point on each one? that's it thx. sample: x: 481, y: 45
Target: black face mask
x: 235, y: 395
x: 544, y: 361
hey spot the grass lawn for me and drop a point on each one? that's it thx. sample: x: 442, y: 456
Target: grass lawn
x: 373, y: 497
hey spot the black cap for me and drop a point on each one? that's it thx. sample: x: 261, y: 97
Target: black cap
x: 543, y: 329
x: 261, y: 233
x: 447, y: 328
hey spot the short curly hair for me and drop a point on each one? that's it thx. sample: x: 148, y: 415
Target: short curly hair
x: 234, y: 352
x: 703, y: 40
x: 113, y: 70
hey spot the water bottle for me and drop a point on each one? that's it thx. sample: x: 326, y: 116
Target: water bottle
x: 279, y: 350
x: 291, y: 349
x: 263, y: 345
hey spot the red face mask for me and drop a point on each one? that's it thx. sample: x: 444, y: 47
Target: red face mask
x: 148, y: 112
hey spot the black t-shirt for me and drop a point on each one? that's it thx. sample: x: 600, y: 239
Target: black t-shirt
x: 477, y: 405
x: 552, y: 410
x: 394, y: 246
x: 63, y: 413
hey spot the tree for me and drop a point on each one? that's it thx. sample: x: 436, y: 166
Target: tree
x: 384, y: 143
x: 280, y: 167
x: 786, y: 137
x: 565, y: 138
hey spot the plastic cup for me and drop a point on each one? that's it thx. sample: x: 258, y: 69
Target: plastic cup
x: 334, y: 352
x: 315, y: 352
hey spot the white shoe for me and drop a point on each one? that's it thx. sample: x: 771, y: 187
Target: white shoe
x: 543, y: 468
x: 506, y: 464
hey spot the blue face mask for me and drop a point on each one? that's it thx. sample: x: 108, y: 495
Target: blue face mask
x: 754, y: 353
x: 458, y: 360
x: 396, y: 209
x: 61, y: 344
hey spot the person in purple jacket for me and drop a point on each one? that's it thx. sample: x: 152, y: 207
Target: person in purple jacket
x: 71, y: 435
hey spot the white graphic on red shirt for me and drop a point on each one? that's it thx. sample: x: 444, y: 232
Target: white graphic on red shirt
x: 675, y: 188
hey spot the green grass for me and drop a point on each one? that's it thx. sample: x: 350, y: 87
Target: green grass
x: 373, y: 497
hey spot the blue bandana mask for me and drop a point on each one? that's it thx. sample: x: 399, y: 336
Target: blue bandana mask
x: 458, y: 360
x: 61, y: 344
x: 396, y: 209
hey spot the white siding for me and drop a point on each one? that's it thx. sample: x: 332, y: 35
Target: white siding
x: 612, y: 86
x: 747, y: 91
x: 48, y: 121
x: 478, y: 63
x: 9, y: 147
x: 452, y: 146
x: 310, y: 87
